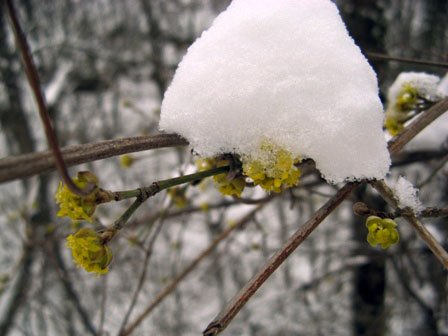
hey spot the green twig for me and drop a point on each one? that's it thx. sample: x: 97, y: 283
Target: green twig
x: 158, y: 186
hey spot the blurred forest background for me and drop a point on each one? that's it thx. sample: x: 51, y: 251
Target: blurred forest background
x: 104, y: 66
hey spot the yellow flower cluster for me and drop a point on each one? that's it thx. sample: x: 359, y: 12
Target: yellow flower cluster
x: 276, y: 171
x: 74, y: 206
x: 88, y: 251
x: 226, y: 184
x: 402, y: 109
x: 382, y: 231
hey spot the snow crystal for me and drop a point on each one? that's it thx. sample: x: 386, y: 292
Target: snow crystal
x: 286, y: 71
x: 406, y: 195
x: 425, y: 84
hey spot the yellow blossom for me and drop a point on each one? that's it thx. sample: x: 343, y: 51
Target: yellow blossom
x: 204, y: 206
x: 402, y: 109
x: 88, y: 252
x: 407, y: 99
x: 74, y: 206
x: 393, y: 126
x: 275, y: 170
x: 228, y: 185
x: 382, y: 231
x: 126, y: 160
x: 178, y: 197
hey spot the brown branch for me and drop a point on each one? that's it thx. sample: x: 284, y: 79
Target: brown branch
x: 385, y: 57
x: 421, y: 230
x: 363, y: 210
x: 175, y: 282
x: 240, y: 299
x: 27, y: 165
x: 34, y: 82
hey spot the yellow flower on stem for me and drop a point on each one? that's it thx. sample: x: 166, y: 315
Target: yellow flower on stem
x: 382, y: 231
x: 401, y: 109
x: 74, y: 206
x: 89, y: 252
x: 227, y: 184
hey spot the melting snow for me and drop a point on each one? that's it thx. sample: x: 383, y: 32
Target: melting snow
x: 286, y: 71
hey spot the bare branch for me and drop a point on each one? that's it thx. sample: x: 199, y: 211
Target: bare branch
x: 240, y: 299
x: 385, y: 57
x: 27, y: 165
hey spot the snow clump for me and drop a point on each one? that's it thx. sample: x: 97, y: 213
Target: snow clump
x: 284, y: 73
x: 411, y: 93
x: 406, y: 195
x: 425, y: 84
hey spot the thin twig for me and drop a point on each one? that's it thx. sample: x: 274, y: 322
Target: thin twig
x: 158, y: 186
x: 142, y: 277
x: 240, y: 299
x: 439, y: 167
x: 34, y: 82
x: 177, y: 280
x: 27, y: 165
x: 385, y: 57
x: 421, y: 230
x: 363, y: 210
x: 70, y: 290
x: 142, y: 194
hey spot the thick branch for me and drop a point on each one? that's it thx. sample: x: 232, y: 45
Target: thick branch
x: 27, y: 165
x: 240, y: 299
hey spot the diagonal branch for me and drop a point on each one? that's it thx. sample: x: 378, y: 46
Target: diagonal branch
x: 240, y: 299
x: 423, y: 120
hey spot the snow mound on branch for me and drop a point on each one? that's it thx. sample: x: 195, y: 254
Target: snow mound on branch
x: 435, y: 134
x: 286, y: 71
x: 425, y: 84
x: 406, y: 195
